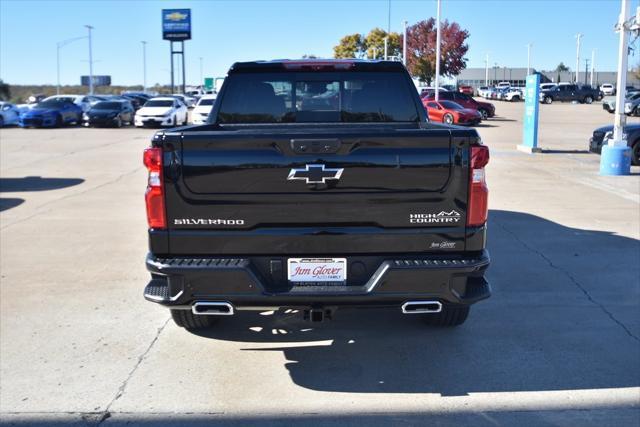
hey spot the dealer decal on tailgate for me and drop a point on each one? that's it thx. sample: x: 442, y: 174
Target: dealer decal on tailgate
x: 317, y: 269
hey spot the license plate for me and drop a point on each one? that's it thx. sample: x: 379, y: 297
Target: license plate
x: 317, y: 270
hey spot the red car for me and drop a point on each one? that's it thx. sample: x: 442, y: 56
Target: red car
x: 451, y: 113
x: 467, y: 90
x: 486, y: 109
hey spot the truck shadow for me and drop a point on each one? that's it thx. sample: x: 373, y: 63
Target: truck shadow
x: 36, y: 183
x: 551, y: 324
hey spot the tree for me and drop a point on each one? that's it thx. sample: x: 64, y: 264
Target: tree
x: 374, y: 43
x: 561, y: 68
x: 309, y: 56
x: 350, y: 46
x: 421, y: 49
x: 5, y: 91
x: 369, y: 46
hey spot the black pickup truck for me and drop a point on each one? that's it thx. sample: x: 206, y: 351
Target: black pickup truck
x: 314, y: 185
x: 570, y: 93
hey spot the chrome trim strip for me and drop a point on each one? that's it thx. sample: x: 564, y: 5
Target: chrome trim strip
x: 160, y: 299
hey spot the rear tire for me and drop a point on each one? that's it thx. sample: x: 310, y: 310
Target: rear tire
x: 515, y: 98
x: 588, y: 100
x: 451, y: 315
x: 186, y: 319
x: 547, y: 100
x: 484, y: 114
x: 635, y: 154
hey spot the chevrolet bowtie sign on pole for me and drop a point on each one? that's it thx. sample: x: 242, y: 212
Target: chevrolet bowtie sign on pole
x: 616, y: 155
x: 176, y: 27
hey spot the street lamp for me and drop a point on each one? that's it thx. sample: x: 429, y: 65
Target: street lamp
x: 144, y: 66
x: 616, y: 155
x: 386, y: 45
x: 438, y: 52
x: 578, y: 37
x: 89, y: 27
x: 593, y: 65
x: 59, y: 45
x: 404, y: 44
x: 486, y: 70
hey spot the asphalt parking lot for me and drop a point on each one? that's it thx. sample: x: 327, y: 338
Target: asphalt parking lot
x: 557, y: 344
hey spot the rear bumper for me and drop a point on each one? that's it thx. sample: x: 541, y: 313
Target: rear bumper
x: 101, y: 121
x: 378, y: 280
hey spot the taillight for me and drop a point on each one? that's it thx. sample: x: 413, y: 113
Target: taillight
x: 154, y: 196
x: 478, y: 191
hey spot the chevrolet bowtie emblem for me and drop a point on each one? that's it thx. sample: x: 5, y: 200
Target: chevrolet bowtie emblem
x: 315, y: 174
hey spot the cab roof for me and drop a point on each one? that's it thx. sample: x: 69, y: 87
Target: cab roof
x: 353, y: 64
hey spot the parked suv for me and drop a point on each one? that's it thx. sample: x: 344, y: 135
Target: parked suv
x: 608, y: 89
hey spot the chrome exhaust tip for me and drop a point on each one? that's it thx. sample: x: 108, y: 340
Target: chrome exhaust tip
x: 421, y: 307
x: 213, y: 308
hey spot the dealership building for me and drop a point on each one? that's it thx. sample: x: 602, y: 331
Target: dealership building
x: 477, y: 77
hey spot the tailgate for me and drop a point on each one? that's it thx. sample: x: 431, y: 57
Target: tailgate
x: 250, y: 191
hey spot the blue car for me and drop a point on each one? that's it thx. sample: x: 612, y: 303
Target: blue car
x: 52, y: 113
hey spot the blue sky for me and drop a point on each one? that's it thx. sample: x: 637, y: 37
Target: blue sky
x: 228, y: 31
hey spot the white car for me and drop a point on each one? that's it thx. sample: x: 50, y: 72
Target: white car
x: 203, y: 108
x: 83, y: 101
x: 162, y: 111
x: 608, y: 89
x: 513, y: 94
x: 503, y: 85
x: 189, y: 101
x: 9, y: 114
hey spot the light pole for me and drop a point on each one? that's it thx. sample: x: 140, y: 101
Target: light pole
x: 386, y: 47
x: 621, y: 85
x: 528, y: 59
x: 404, y: 44
x: 144, y: 66
x: 486, y: 70
x: 59, y: 45
x: 89, y: 27
x: 578, y: 37
x: 201, y: 79
x: 438, y: 52
x: 593, y: 66
x: 616, y: 155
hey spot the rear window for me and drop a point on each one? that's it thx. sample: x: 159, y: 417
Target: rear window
x: 159, y: 103
x: 290, y: 97
x: 107, y: 105
x: 206, y: 102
